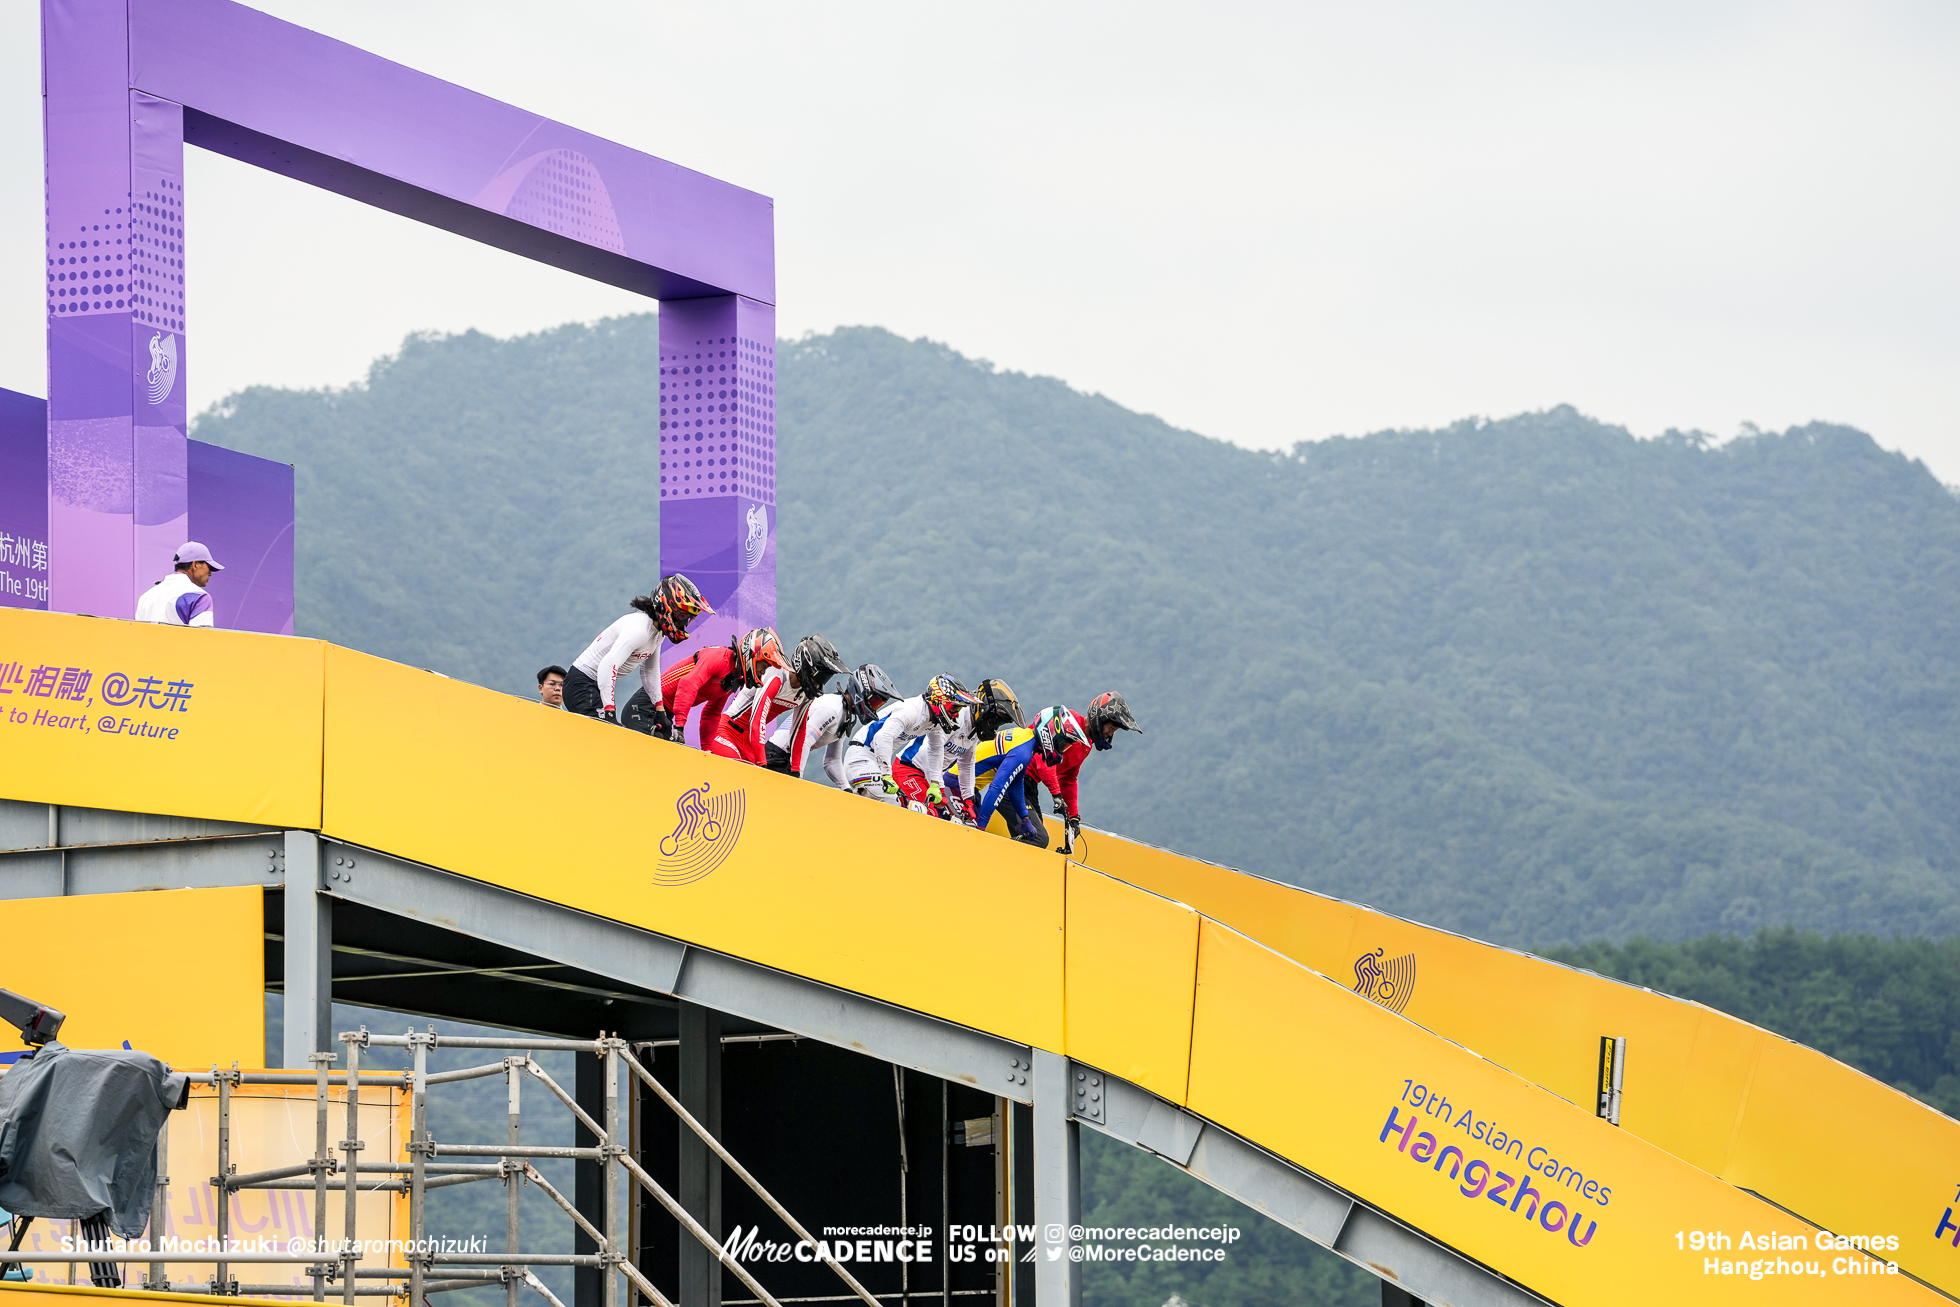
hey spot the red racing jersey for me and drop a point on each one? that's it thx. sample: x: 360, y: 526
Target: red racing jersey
x: 702, y: 681
x: 1061, y: 779
x: 751, y: 712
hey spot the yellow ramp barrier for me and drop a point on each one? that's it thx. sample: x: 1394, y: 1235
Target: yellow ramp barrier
x: 1132, y: 958
x: 179, y: 974
x: 148, y: 718
x: 1818, y: 1137
x: 1464, y: 1150
x: 859, y: 895
x: 1013, y: 941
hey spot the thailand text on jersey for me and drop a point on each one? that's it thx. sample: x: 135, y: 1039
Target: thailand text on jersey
x: 998, y: 765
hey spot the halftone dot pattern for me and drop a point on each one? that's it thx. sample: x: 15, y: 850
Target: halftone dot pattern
x: 129, y: 258
x: 158, y: 286
x: 564, y: 193
x: 718, y: 418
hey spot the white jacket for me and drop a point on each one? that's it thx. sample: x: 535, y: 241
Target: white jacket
x: 912, y: 720
x: 631, y: 642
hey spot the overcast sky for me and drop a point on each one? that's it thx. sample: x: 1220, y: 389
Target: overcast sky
x: 1266, y: 223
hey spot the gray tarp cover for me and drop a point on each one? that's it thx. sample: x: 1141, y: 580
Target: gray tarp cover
x: 78, y: 1133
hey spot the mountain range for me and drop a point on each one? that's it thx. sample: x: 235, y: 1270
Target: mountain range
x: 1532, y: 679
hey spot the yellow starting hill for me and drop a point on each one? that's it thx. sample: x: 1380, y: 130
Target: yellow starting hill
x: 214, y: 813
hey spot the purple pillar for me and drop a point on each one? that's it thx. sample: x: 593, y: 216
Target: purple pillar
x: 718, y: 458
x: 129, y: 82
x: 23, y: 501
x: 117, y: 483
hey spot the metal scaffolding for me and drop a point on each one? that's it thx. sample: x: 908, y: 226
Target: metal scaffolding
x: 424, y: 1270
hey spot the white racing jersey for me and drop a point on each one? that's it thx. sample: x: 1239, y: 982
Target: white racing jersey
x: 821, y: 724
x: 861, y: 771
x: 631, y: 643
x: 912, y: 720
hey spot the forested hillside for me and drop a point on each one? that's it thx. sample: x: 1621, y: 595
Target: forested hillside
x: 1531, y: 679
x: 1889, y: 1008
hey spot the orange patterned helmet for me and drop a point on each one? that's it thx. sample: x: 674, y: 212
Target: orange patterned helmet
x: 677, y: 601
x: 756, y: 650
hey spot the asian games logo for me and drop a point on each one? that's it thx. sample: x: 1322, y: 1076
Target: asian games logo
x: 758, y: 537
x: 1391, y: 983
x: 163, y: 366
x: 704, y: 834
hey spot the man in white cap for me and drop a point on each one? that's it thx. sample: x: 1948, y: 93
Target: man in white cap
x: 179, y: 599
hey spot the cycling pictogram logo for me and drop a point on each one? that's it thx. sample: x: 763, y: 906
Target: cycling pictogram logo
x: 705, y: 831
x: 758, y: 537
x: 1389, y: 983
x: 162, y: 375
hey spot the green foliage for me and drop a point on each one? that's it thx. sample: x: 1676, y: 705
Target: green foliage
x: 477, y: 504
x: 1891, y: 1008
x: 1123, y: 1187
x: 1534, y: 679
x: 472, y: 1111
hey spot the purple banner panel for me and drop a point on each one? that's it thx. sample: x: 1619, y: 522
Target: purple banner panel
x: 128, y: 82
x: 718, y: 458
x: 241, y: 509
x: 23, y: 501
x: 273, y: 94
x: 115, y: 281
x: 91, y: 462
x: 156, y: 323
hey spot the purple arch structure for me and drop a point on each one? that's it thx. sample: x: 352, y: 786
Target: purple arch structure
x: 128, y: 83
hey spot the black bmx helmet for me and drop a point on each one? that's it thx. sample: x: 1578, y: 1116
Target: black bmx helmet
x: 998, y: 708
x: 815, y: 661
x: 868, y: 690
x: 1107, y: 715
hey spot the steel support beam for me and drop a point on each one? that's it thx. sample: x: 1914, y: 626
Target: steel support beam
x: 26, y: 826
x: 108, y: 852
x: 308, y: 946
x: 1057, y: 1182
x: 126, y: 868
x: 700, y: 1170
x: 1405, y: 1258
x: 588, y: 1179
x: 641, y: 958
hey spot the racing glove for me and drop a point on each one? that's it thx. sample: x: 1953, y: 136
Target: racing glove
x: 935, y: 795
x: 663, y: 723
x: 891, y: 786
